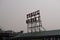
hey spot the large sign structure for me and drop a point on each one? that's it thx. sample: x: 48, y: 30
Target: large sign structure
x: 33, y: 22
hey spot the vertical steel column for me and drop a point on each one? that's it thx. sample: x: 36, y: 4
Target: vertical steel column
x: 54, y: 38
x: 44, y: 38
x: 51, y: 38
x: 27, y: 28
x: 58, y: 38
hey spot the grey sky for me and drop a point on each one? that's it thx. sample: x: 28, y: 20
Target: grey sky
x: 13, y: 13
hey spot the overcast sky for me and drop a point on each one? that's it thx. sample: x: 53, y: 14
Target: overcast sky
x: 13, y: 13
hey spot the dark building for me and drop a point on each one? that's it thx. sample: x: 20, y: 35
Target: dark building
x: 43, y: 35
x: 6, y: 35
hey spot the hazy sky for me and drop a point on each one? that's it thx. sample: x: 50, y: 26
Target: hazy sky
x: 13, y: 13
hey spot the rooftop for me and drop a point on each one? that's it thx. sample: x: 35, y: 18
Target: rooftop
x: 40, y: 34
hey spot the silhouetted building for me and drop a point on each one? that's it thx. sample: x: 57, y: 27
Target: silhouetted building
x: 6, y: 35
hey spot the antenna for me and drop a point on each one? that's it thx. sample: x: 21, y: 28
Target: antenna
x: 34, y: 22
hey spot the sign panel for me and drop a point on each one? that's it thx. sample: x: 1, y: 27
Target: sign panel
x: 33, y: 14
